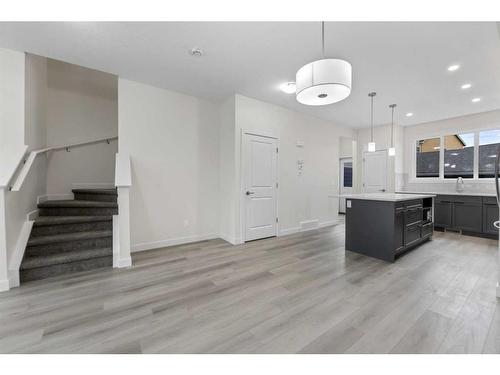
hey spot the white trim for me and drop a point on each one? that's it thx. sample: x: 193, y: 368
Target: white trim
x: 93, y: 185
x: 172, y: 242
x: 18, y: 254
x: 288, y: 231
x: 123, y: 263
x: 54, y: 197
x: 32, y: 215
x: 230, y: 239
x: 4, y: 285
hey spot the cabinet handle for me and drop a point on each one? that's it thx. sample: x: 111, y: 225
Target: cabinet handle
x: 459, y: 202
x: 496, y: 224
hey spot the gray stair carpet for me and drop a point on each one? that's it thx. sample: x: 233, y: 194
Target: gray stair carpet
x: 71, y: 235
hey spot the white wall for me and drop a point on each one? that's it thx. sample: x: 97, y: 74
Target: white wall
x: 227, y: 171
x: 82, y: 105
x: 345, y: 147
x: 12, y: 80
x: 173, y: 143
x: 480, y: 121
x: 310, y: 196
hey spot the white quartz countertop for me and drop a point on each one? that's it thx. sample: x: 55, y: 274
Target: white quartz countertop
x: 448, y: 193
x: 389, y: 197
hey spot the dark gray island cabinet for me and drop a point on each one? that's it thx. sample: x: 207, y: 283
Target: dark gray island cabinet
x: 384, y: 226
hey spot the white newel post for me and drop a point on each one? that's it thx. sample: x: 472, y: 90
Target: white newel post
x: 121, y: 222
x: 4, y: 273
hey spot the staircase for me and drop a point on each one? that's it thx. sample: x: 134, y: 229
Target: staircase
x: 71, y: 235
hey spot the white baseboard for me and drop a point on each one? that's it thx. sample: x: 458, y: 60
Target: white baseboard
x: 232, y: 240
x: 122, y: 263
x: 171, y: 242
x: 4, y: 285
x: 328, y: 223
x: 54, y: 197
x: 17, y: 256
x: 93, y: 185
x: 287, y: 231
x: 309, y: 225
x: 32, y: 215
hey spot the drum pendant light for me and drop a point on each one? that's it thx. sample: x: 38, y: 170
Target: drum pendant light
x: 371, y: 144
x: 392, y: 149
x: 324, y: 81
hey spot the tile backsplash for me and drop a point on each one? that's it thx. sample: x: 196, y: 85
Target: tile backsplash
x: 472, y: 187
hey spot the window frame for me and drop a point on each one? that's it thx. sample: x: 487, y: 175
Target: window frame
x: 441, y: 179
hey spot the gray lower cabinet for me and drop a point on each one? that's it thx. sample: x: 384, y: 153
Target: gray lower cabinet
x: 472, y: 214
x: 442, y: 213
x: 490, y: 215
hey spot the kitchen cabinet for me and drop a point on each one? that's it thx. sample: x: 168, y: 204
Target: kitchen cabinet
x: 469, y: 214
x: 490, y: 215
x: 384, y: 228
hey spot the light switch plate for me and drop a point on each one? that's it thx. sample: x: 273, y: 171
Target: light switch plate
x: 349, y: 204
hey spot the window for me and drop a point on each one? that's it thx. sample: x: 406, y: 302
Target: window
x: 428, y: 157
x: 489, y: 141
x: 459, y: 155
x: 468, y: 155
x: 348, y: 174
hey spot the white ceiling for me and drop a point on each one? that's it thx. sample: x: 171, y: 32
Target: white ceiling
x: 405, y: 63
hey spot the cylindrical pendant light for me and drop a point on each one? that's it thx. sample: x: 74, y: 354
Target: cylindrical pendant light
x: 392, y: 149
x: 324, y: 81
x: 371, y: 144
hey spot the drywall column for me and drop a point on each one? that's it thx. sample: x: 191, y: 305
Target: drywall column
x: 121, y: 222
x: 4, y: 277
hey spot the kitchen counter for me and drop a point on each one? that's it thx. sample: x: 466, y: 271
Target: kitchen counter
x: 449, y: 193
x: 387, y: 197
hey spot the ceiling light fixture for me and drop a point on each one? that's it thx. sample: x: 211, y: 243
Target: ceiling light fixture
x: 324, y: 81
x: 466, y: 86
x: 392, y: 149
x: 452, y: 68
x: 288, y: 87
x: 475, y: 100
x: 196, y: 52
x: 371, y: 144
x: 409, y: 114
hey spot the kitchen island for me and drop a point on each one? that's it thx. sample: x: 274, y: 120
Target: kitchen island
x: 385, y: 226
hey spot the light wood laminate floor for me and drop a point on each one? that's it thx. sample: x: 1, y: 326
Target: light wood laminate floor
x: 296, y: 294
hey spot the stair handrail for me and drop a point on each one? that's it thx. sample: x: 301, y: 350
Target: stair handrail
x: 30, y: 159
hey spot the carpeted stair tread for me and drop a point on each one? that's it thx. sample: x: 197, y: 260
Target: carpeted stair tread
x: 67, y: 237
x: 76, y: 203
x: 61, y: 220
x: 96, y: 191
x: 62, y: 258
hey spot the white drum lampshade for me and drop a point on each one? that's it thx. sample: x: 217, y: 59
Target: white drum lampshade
x: 324, y: 82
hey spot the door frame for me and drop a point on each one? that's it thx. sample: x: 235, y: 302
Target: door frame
x: 341, y: 176
x: 242, y: 190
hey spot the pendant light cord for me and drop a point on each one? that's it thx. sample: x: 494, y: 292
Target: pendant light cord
x: 392, y: 106
x: 371, y: 95
x: 323, y: 39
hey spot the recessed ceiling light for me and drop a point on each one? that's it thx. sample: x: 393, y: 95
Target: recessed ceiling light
x: 196, y: 52
x: 475, y: 100
x: 409, y: 114
x: 466, y: 86
x: 288, y: 87
x: 452, y: 68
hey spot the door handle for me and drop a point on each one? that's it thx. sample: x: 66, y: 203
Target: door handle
x: 249, y: 193
x: 382, y: 190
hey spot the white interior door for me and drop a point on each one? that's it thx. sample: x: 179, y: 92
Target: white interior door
x: 260, y: 182
x: 345, y: 179
x: 375, y: 172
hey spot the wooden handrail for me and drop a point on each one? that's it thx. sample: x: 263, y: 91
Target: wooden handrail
x: 28, y: 162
